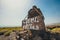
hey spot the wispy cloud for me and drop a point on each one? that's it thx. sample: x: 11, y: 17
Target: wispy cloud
x: 13, y: 11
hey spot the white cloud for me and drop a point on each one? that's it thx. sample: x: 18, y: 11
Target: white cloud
x: 13, y: 11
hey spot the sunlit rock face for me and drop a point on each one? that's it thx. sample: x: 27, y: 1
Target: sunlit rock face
x: 35, y: 19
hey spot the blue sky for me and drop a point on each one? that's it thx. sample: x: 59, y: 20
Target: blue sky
x: 50, y: 9
x: 12, y: 12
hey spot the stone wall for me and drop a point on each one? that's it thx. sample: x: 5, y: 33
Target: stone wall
x: 35, y: 20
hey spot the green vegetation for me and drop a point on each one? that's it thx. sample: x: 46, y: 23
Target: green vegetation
x: 56, y: 30
x: 8, y: 30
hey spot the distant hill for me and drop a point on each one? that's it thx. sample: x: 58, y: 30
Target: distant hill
x: 53, y: 25
x: 54, y: 28
x: 57, y: 24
